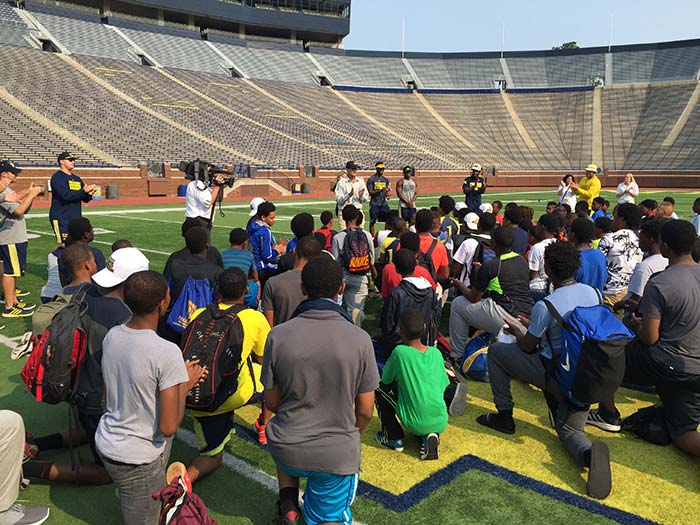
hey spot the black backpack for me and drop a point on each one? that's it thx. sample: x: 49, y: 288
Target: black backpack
x: 356, y: 252
x: 215, y: 337
x: 52, y: 370
x: 426, y: 260
x: 482, y: 254
x: 649, y: 424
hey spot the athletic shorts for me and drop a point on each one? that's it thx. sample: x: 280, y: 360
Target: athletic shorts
x: 14, y: 258
x: 679, y: 392
x: 214, y: 432
x: 378, y: 213
x: 328, y: 496
x: 407, y: 213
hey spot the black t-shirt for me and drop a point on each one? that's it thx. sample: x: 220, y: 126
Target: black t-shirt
x: 190, y: 266
x: 213, y: 254
x: 506, y: 280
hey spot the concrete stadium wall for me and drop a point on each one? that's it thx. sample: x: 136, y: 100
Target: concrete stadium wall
x: 135, y: 183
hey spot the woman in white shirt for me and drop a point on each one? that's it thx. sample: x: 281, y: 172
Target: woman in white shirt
x: 627, y: 190
x: 566, y: 194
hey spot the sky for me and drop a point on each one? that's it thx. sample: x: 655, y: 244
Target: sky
x: 469, y: 25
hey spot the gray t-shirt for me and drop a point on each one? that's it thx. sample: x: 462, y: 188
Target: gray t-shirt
x: 282, y: 294
x: 644, y: 270
x: 339, y: 242
x: 673, y: 296
x: 136, y: 365
x: 408, y: 191
x: 321, y: 362
x: 13, y: 230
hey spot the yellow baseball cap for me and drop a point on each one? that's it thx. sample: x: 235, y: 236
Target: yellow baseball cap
x: 592, y: 167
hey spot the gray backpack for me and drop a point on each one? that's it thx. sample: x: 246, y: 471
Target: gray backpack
x: 44, y: 313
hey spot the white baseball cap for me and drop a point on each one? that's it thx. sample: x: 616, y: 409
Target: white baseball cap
x: 120, y: 266
x: 472, y: 221
x: 486, y: 208
x: 257, y: 201
x: 460, y: 206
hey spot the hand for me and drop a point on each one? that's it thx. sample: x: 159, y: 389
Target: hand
x: 219, y: 178
x: 36, y: 190
x: 523, y: 321
x: 279, y: 247
x: 476, y: 265
x: 573, y: 186
x: 4, y: 183
x: 361, y: 193
x: 636, y: 321
x: 458, y: 284
x: 195, y: 373
x: 352, y: 191
x: 89, y: 188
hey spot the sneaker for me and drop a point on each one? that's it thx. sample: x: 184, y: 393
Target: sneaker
x: 501, y: 423
x: 23, y: 348
x: 21, y: 293
x: 178, y: 470
x: 31, y: 449
x: 356, y: 313
x: 599, y: 476
x: 291, y: 517
x: 26, y: 306
x: 16, y: 311
x: 601, y: 419
x: 260, y: 429
x: 429, y: 447
x: 459, y: 401
x: 392, y: 444
x: 21, y: 515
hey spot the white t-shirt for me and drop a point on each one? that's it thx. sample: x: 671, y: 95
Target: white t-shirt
x: 536, y: 262
x: 465, y: 256
x: 197, y: 200
x: 566, y: 196
x: 645, y: 269
x: 136, y: 365
x: 627, y: 198
x: 696, y: 222
x: 622, y: 254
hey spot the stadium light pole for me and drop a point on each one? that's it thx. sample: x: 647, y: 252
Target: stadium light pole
x: 610, y: 34
x: 403, y: 36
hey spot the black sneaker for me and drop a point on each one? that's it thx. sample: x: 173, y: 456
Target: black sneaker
x: 290, y: 517
x: 499, y: 422
x: 602, y: 419
x: 599, y: 476
x: 429, y: 447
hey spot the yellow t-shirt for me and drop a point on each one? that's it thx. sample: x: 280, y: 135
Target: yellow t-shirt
x: 255, y: 330
x: 589, y: 189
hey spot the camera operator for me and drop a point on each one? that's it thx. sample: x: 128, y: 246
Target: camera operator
x: 201, y: 198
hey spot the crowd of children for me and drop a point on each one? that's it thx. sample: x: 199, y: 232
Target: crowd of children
x: 286, y: 321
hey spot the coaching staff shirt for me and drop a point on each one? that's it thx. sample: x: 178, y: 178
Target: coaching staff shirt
x: 67, y: 194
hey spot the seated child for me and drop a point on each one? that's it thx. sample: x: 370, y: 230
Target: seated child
x: 238, y: 257
x: 603, y: 226
x: 420, y: 404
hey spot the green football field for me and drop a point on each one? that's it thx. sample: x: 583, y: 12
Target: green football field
x: 481, y: 476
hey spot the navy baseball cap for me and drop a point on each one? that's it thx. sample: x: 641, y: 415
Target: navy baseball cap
x: 66, y: 156
x: 6, y: 165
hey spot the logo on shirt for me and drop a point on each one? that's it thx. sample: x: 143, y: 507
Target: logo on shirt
x: 74, y: 185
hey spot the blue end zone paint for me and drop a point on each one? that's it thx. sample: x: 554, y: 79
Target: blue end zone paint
x: 442, y: 477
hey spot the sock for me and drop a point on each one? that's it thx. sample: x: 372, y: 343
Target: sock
x: 289, y: 500
x: 50, y: 442
x: 37, y: 469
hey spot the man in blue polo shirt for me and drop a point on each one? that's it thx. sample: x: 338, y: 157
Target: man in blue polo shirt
x: 67, y: 192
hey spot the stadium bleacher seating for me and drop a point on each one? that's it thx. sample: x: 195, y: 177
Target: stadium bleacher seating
x: 281, y: 117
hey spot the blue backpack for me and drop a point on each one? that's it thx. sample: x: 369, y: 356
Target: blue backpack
x: 475, y: 357
x: 591, y: 363
x: 197, y: 293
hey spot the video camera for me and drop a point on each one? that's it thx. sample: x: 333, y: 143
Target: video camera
x: 206, y: 172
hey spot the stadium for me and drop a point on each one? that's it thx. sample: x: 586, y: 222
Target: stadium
x: 266, y: 89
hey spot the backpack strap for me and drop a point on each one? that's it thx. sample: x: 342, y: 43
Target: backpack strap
x: 553, y: 311
x: 431, y: 249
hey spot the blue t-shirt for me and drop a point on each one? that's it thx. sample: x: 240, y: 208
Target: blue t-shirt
x: 238, y: 258
x: 600, y: 213
x: 564, y: 299
x: 520, y: 241
x: 593, y: 270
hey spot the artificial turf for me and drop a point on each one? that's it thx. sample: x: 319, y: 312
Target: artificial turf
x: 481, y: 476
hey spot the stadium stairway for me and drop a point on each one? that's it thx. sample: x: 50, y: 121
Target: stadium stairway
x: 517, y: 122
x: 442, y: 121
x: 683, y: 118
x: 597, y: 128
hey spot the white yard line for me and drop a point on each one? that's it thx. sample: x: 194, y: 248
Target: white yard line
x: 37, y: 232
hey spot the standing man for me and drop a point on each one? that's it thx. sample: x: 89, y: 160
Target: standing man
x: 13, y: 238
x: 67, y: 192
x: 474, y: 187
x: 200, y: 199
x: 350, y: 189
x: 379, y: 192
x: 588, y: 188
x: 407, y: 192
x: 315, y: 433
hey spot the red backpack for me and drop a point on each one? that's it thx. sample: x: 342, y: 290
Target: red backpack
x: 52, y: 370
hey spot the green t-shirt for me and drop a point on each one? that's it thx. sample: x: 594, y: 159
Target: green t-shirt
x: 421, y: 381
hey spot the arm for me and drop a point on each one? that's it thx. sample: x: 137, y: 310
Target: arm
x: 620, y: 192
x: 342, y: 194
x: 472, y: 294
x: 482, y: 190
x: 633, y: 190
x: 268, y: 253
x: 443, y: 272
x: 399, y: 192
x: 364, y: 409
x: 273, y: 397
x: 26, y: 204
x: 270, y: 316
x: 172, y: 399
x: 649, y: 330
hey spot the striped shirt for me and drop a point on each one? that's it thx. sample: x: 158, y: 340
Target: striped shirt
x: 238, y: 258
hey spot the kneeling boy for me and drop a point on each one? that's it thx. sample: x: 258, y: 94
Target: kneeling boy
x: 419, y: 404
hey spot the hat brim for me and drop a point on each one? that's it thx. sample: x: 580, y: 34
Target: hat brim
x: 107, y: 279
x: 473, y: 227
x: 15, y: 171
x: 253, y: 213
x: 591, y: 171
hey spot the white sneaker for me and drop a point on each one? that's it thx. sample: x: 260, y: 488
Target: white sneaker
x: 23, y: 348
x: 21, y: 515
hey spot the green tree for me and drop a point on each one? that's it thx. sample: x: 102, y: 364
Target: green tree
x: 568, y: 45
